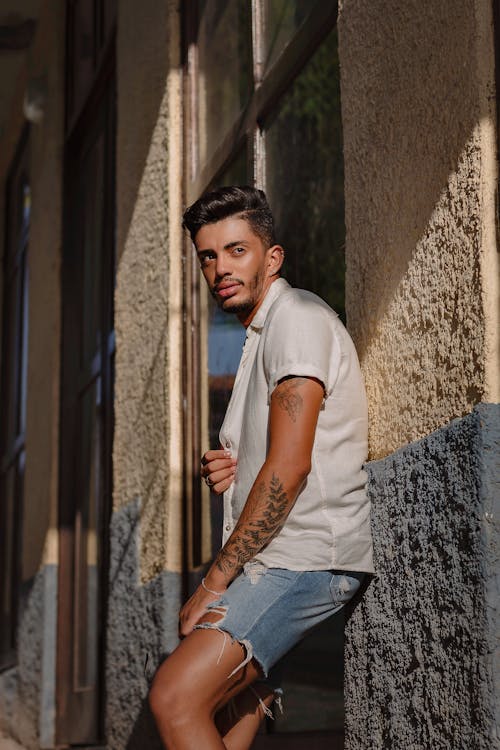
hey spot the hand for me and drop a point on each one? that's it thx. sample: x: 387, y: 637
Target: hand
x: 218, y: 469
x: 194, y: 609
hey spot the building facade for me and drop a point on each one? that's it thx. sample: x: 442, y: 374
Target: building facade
x: 373, y: 128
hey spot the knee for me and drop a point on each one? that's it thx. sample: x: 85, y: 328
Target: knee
x: 162, y: 699
x: 167, y: 701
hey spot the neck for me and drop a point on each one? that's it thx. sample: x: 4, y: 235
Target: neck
x: 246, y: 318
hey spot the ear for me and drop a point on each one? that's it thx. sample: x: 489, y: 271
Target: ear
x: 275, y: 258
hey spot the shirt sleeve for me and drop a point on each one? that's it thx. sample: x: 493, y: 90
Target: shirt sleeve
x: 301, y: 341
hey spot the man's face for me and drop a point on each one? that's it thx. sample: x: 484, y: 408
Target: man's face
x: 237, y: 267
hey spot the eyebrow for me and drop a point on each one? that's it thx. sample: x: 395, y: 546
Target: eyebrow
x: 226, y: 247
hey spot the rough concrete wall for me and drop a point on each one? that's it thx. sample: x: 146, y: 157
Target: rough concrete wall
x: 7, y: 743
x: 145, y: 579
x: 421, y: 643
x: 420, y: 170
x: 490, y: 495
x: 147, y: 310
x: 142, y: 630
x: 28, y: 691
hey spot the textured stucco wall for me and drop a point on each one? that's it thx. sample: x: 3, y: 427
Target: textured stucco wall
x: 27, y: 692
x: 146, y: 533
x: 147, y: 442
x: 418, y: 110
x: 142, y: 630
x: 423, y: 641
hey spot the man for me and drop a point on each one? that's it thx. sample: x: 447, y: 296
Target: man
x: 296, y: 539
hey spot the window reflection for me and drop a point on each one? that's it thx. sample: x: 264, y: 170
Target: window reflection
x: 305, y: 177
x: 92, y: 186
x: 226, y: 336
x: 282, y: 18
x: 225, y: 69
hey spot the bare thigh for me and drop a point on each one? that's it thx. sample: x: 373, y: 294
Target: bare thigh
x: 197, y: 672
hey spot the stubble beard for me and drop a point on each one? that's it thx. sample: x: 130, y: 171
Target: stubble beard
x: 245, y: 306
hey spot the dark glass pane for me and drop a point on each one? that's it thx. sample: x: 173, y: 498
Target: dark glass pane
x: 109, y: 18
x: 92, y: 178
x: 225, y: 69
x: 226, y: 336
x: 282, y: 18
x: 83, y: 50
x: 23, y: 348
x: 236, y: 173
x: 11, y: 365
x: 26, y: 210
x: 305, y: 177
x: 87, y: 537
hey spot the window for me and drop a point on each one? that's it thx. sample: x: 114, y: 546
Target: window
x: 13, y: 395
x: 263, y: 108
x: 88, y: 348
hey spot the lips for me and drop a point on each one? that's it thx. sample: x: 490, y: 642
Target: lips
x: 227, y: 289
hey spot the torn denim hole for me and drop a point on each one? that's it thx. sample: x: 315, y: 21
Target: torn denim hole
x: 254, y: 570
x: 235, y: 716
x: 278, y: 699
x: 344, y: 585
x: 221, y: 609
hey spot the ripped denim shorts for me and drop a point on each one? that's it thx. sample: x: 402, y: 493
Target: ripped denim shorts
x: 269, y: 610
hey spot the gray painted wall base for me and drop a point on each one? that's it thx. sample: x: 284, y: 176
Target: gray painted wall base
x: 142, y: 623
x: 421, y: 643
x: 27, y: 692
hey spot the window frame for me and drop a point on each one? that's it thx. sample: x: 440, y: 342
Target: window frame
x: 80, y: 715
x: 13, y: 448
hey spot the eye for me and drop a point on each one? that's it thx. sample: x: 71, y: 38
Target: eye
x: 205, y: 258
x: 238, y: 250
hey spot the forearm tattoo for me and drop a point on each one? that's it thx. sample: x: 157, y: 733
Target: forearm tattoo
x: 288, y: 398
x: 266, y: 515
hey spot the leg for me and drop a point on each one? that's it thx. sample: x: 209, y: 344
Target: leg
x: 239, y: 721
x: 192, y: 685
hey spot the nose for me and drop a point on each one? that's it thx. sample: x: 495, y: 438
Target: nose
x: 222, y: 265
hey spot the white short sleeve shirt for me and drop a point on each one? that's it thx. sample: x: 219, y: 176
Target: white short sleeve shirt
x: 294, y: 332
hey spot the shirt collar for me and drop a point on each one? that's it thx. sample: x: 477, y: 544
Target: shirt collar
x: 277, y: 287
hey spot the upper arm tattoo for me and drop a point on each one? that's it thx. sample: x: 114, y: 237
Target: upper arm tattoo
x: 288, y: 398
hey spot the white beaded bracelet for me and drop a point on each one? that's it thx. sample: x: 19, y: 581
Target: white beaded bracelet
x: 210, y: 591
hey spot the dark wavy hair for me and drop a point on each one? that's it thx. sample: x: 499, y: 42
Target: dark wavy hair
x: 245, y: 202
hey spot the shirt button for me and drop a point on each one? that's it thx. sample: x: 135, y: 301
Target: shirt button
x: 228, y: 444
x: 228, y: 527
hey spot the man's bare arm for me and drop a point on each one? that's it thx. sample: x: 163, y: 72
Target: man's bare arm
x: 294, y: 411
x: 266, y: 510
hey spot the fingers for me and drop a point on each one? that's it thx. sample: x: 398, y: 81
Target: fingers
x: 194, y: 609
x: 223, y: 484
x: 214, y: 455
x: 218, y: 469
